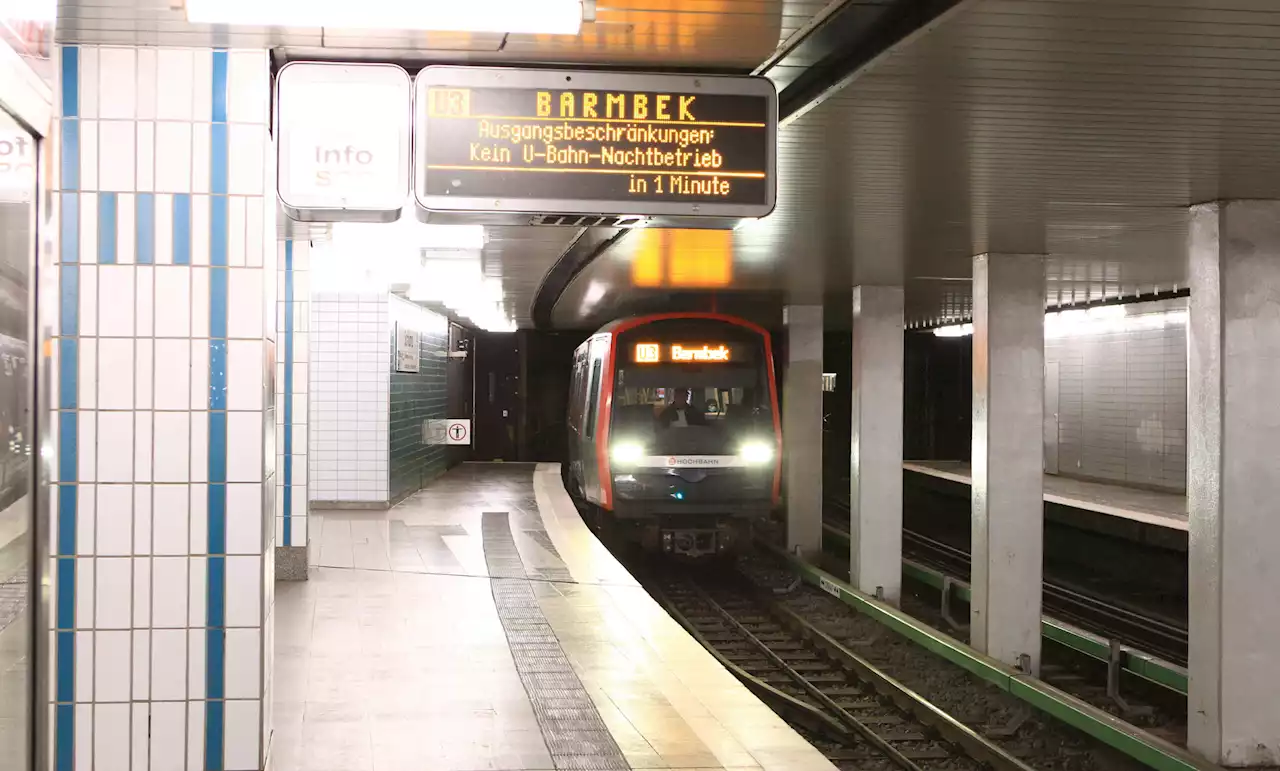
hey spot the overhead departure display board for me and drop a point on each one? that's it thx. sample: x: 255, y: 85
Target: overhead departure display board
x: 569, y: 142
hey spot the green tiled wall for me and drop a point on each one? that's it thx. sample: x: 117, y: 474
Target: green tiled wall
x: 416, y: 397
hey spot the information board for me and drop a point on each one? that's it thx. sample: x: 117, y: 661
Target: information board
x: 568, y: 142
x: 344, y: 135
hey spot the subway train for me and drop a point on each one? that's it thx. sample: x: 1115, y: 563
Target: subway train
x: 674, y: 432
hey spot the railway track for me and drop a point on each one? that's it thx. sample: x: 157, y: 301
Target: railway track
x: 1108, y: 617
x: 858, y: 716
x: 1158, y: 636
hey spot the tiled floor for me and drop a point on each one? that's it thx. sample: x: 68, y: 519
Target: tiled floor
x: 395, y: 655
x: 1156, y: 508
x: 15, y: 652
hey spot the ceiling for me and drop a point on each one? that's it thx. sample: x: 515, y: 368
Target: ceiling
x: 1078, y: 129
x: 662, y: 34
x: 716, y: 35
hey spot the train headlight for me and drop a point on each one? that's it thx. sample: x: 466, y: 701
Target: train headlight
x: 757, y: 453
x: 627, y: 453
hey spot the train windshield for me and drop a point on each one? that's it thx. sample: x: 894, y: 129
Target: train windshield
x: 692, y: 411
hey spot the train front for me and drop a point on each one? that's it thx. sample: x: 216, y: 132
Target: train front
x: 694, y: 433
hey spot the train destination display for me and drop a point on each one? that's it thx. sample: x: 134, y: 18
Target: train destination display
x: 550, y: 141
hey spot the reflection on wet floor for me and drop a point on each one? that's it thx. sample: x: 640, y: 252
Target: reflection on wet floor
x: 467, y: 629
x: 15, y: 636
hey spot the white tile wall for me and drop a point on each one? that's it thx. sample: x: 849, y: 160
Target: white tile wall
x: 1122, y: 402
x: 350, y: 371
x: 137, y: 606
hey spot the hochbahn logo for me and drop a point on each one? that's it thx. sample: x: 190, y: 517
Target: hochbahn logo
x: 687, y: 461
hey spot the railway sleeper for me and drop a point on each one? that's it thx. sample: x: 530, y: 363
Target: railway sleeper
x: 881, y: 719
x: 934, y: 754
x: 806, y: 666
x: 751, y: 663
x: 854, y: 707
x: 901, y: 736
x: 859, y: 691
x: 799, y: 653
x: 819, y: 678
x: 854, y: 756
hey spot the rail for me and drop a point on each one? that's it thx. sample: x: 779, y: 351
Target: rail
x: 768, y: 644
x: 1101, y: 725
x: 1150, y: 667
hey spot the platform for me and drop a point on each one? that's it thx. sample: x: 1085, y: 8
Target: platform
x: 1167, y: 510
x: 481, y: 625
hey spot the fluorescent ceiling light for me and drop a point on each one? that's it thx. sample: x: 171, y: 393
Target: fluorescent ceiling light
x: 1094, y: 321
x: 449, y: 236
x: 535, y: 17
x: 954, y: 330
x: 29, y: 10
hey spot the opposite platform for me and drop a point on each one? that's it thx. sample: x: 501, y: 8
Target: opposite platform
x: 1168, y: 510
x: 481, y: 625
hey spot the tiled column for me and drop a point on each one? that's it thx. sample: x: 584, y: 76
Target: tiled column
x: 294, y: 310
x: 802, y: 432
x: 1233, y: 483
x: 162, y: 598
x: 875, y: 453
x: 1008, y: 452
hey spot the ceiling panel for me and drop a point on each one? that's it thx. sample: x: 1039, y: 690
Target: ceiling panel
x: 734, y: 35
x: 521, y: 256
x: 662, y: 34
x: 1078, y: 129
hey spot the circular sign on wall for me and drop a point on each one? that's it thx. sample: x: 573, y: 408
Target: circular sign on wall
x: 457, y: 432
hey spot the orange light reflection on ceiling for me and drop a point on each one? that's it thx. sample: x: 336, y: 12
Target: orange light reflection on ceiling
x: 646, y: 266
x: 687, y: 259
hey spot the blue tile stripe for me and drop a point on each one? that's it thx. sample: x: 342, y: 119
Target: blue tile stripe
x: 71, y: 81
x: 287, y: 501
x: 182, y: 229
x: 70, y: 154
x: 216, y: 601
x: 68, y: 390
x: 69, y: 232
x: 108, y: 224
x: 145, y: 235
x: 218, y: 236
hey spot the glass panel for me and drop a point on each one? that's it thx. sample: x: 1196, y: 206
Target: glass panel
x: 683, y: 412
x: 17, y: 248
x: 594, y: 395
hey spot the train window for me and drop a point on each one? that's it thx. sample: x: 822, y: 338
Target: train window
x: 576, y: 396
x: 698, y: 418
x: 593, y: 396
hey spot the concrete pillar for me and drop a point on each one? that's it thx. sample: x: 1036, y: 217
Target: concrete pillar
x: 162, y: 503
x: 1008, y: 445
x: 1233, y: 482
x: 875, y: 453
x: 802, y: 428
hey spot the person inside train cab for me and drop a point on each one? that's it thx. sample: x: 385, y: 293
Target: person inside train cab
x: 680, y: 414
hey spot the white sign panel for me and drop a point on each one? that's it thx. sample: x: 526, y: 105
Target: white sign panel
x: 433, y: 431
x: 17, y: 164
x: 457, y: 432
x: 407, y: 353
x: 344, y: 141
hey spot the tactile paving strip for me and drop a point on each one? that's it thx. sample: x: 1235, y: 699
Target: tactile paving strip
x: 576, y: 736
x: 14, y: 595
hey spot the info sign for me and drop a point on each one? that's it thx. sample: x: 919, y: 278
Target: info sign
x: 568, y: 142
x: 344, y: 141
x: 408, y: 357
